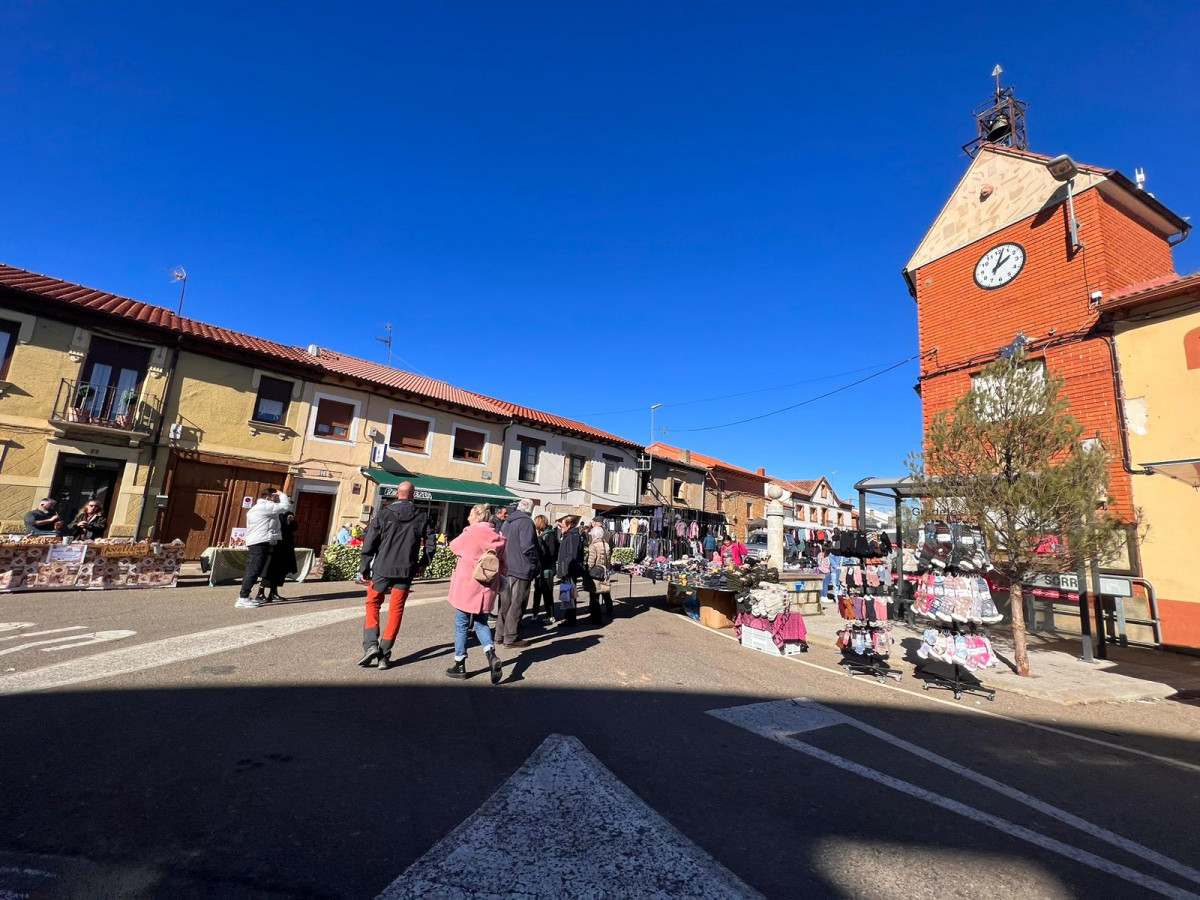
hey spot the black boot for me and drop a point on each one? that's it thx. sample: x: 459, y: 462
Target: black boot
x: 369, y: 655
x: 496, y: 667
x: 459, y: 669
x: 385, y: 660
x: 274, y: 597
x: 261, y: 596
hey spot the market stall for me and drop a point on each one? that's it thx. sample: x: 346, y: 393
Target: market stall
x: 227, y: 565
x: 48, y: 564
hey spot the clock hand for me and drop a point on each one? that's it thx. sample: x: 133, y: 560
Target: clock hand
x: 1003, y: 259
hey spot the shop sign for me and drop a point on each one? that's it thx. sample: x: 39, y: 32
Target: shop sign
x: 1065, y: 586
x: 389, y: 493
x: 423, y: 495
x: 247, y: 502
x: 124, y: 550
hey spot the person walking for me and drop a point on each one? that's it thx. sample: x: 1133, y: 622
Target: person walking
x: 524, y: 562
x: 262, y: 533
x: 499, y: 518
x: 599, y: 567
x: 399, y: 543
x: 543, y: 582
x: 43, y: 520
x: 282, y: 562
x: 570, y: 565
x: 89, y: 523
x: 472, y: 598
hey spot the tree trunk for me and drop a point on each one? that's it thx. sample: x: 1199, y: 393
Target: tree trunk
x: 1017, y: 609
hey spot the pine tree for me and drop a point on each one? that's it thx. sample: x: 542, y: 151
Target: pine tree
x: 1010, y: 457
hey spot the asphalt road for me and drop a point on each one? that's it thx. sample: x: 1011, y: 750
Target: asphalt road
x: 215, y: 752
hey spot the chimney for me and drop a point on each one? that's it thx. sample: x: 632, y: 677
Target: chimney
x: 762, y: 472
x: 685, y: 456
x: 314, y: 350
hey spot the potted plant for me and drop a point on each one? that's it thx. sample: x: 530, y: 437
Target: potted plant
x: 126, y: 409
x: 80, y: 410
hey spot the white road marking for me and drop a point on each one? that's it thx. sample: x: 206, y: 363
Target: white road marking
x: 14, y: 637
x: 780, y: 720
x: 13, y: 626
x: 540, y: 831
x: 169, y: 651
x: 79, y: 640
x: 959, y: 707
x: 96, y: 637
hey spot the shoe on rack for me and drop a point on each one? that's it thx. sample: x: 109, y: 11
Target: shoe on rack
x: 459, y: 669
x: 246, y: 603
x: 369, y: 655
x: 494, y: 664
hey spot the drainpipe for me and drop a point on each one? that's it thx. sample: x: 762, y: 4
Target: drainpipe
x: 504, y: 450
x: 154, y: 443
x: 1119, y: 397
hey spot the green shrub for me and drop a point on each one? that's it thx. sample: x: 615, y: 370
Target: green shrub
x: 342, y: 562
x: 623, y: 555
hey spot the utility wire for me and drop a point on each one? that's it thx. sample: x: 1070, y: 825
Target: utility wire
x: 583, y: 417
x: 837, y: 390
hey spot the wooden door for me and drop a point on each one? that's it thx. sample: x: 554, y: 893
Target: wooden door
x: 193, y: 519
x: 313, y: 512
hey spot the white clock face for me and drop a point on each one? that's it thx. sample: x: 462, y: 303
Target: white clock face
x: 999, y: 266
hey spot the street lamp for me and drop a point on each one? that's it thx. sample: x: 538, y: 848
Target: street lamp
x: 652, y: 409
x: 1063, y: 168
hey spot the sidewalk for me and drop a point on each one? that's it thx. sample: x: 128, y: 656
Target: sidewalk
x: 1058, y: 674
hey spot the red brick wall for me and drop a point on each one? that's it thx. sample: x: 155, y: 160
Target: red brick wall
x: 968, y: 324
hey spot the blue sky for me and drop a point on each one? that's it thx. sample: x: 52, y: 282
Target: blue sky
x: 584, y: 207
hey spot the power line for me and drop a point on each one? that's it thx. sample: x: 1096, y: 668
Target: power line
x: 775, y: 387
x: 776, y: 412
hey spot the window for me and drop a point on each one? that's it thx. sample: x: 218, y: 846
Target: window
x: 824, y: 492
x: 468, y: 445
x: 749, y: 510
x: 335, y: 420
x: 1003, y: 398
x: 677, y: 489
x: 271, y: 404
x: 721, y: 485
x: 8, y: 340
x: 841, y: 520
x: 612, y: 471
x: 575, y: 472
x: 408, y: 434
x: 531, y: 454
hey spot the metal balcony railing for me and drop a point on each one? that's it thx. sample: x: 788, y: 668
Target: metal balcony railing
x: 104, y: 406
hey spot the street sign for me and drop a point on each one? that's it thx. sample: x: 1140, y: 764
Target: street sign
x: 1068, y: 583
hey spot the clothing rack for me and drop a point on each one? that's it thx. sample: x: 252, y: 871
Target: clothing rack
x: 871, y: 663
x: 955, y: 684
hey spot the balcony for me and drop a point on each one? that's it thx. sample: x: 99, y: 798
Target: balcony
x: 84, y: 409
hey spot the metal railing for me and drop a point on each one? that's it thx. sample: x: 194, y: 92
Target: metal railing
x: 104, y: 405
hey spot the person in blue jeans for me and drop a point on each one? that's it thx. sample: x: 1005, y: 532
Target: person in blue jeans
x: 831, y: 566
x: 471, y: 599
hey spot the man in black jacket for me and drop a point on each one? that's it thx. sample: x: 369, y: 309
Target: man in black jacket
x: 524, y: 565
x: 392, y: 557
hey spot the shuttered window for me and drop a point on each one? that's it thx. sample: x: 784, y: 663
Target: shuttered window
x: 271, y: 404
x: 468, y: 445
x: 334, y: 420
x: 575, y: 472
x: 531, y: 451
x: 409, y: 434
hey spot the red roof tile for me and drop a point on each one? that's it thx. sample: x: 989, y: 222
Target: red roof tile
x: 537, y: 417
x: 408, y: 382
x: 80, y: 297
x: 1163, y: 288
x: 709, y: 462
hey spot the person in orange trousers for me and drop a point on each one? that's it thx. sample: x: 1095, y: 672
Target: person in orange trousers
x: 399, y: 544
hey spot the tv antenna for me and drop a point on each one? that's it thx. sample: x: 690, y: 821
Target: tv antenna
x: 387, y: 341
x: 180, y: 274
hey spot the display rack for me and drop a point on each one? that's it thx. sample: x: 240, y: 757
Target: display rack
x: 871, y: 663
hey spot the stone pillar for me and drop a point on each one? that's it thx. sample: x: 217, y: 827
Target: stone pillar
x: 775, y: 526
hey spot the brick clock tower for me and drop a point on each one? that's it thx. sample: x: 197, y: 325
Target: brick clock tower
x: 1003, y: 258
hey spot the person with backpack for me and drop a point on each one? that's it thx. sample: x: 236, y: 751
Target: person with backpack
x: 474, y: 586
x: 400, y: 542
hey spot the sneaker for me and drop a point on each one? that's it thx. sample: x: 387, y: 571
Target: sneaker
x: 246, y: 603
x: 369, y: 655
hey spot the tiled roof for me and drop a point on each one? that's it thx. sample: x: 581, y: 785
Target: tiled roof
x: 1163, y: 288
x: 408, y: 382
x: 1039, y: 157
x: 804, y: 488
x: 80, y: 297
x: 709, y: 462
x: 537, y: 417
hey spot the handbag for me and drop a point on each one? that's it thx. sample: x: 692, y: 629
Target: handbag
x: 487, y: 567
x: 599, y: 573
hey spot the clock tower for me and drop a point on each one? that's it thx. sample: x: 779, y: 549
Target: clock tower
x: 1033, y: 246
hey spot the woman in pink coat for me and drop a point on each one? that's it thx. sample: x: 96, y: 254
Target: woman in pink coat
x: 471, y: 599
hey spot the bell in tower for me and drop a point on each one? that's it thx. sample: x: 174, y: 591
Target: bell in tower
x: 1001, y: 120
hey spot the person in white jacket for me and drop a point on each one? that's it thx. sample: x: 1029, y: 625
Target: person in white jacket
x: 262, y: 533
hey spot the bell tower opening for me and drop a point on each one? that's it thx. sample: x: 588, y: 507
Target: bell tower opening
x: 1000, y: 120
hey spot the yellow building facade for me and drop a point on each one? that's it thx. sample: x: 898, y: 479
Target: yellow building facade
x: 1157, y: 338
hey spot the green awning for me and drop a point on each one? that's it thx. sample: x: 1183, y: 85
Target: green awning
x: 448, y: 490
